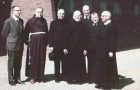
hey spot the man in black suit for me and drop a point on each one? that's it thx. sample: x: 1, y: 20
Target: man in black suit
x: 56, y: 37
x: 13, y: 31
x: 93, y: 28
x: 86, y: 18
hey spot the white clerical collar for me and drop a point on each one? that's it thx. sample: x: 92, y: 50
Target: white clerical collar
x: 107, y: 22
x: 15, y: 18
x: 88, y: 16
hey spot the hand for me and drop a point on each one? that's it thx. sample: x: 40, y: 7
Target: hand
x: 110, y: 54
x: 85, y: 52
x: 51, y: 49
x: 65, y: 51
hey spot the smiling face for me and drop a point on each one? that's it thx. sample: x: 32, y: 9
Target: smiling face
x: 105, y: 16
x: 95, y: 17
x: 77, y: 16
x: 60, y: 14
x: 39, y: 12
x: 16, y: 11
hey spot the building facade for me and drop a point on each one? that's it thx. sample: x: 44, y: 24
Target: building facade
x: 125, y: 13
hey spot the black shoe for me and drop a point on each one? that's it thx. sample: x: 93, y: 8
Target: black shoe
x: 57, y: 81
x: 19, y: 82
x: 12, y: 83
x: 98, y: 86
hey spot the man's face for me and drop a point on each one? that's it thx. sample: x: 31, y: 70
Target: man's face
x: 104, y: 18
x: 86, y: 10
x: 39, y: 12
x: 16, y: 12
x: 77, y: 17
x: 95, y: 18
x: 60, y: 14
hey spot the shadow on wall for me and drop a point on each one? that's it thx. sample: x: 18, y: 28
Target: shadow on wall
x: 5, y: 8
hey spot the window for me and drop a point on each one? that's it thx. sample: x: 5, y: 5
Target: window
x: 136, y: 10
x: 103, y: 6
x: 116, y: 8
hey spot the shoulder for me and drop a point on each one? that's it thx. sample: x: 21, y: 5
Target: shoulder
x: 20, y: 19
x: 8, y: 20
x: 54, y: 21
x: 43, y: 19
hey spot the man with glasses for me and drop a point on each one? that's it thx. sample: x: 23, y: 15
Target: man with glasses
x: 13, y: 31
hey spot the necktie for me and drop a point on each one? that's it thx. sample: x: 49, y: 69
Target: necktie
x: 86, y: 20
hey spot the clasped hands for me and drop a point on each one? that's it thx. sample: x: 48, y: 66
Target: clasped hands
x: 66, y: 51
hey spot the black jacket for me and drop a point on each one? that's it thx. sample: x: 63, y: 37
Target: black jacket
x: 56, y: 34
x: 93, y: 32
x: 76, y: 36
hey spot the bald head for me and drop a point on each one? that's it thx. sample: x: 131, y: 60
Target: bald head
x: 105, y: 16
x: 77, y: 16
x: 86, y: 10
x: 39, y: 12
x: 60, y: 14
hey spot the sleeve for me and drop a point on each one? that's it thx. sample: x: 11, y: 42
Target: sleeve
x: 114, y: 39
x: 85, y: 37
x: 5, y: 31
x: 51, y: 33
x: 66, y: 36
x: 47, y: 34
x: 26, y: 33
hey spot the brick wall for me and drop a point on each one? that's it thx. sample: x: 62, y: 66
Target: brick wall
x: 28, y: 7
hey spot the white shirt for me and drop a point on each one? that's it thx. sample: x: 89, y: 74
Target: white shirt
x: 107, y: 22
x: 88, y: 16
x: 16, y: 19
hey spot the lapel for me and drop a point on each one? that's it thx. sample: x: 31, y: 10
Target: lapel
x: 15, y: 23
x: 16, y: 26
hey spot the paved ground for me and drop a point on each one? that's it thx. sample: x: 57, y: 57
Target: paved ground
x: 128, y: 68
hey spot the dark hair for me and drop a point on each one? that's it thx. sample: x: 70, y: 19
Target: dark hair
x: 14, y: 7
x: 93, y: 13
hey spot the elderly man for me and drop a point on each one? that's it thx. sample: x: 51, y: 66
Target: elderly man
x: 36, y: 33
x: 13, y: 31
x: 56, y: 40
x: 105, y: 67
x: 75, y: 49
x: 93, y: 28
x: 86, y: 18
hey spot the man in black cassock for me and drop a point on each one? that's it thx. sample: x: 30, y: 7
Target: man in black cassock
x: 105, y: 66
x: 56, y: 40
x: 36, y: 32
x: 75, y: 49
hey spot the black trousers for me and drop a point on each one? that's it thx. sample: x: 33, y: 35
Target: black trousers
x: 14, y: 64
x: 58, y: 57
x: 91, y: 59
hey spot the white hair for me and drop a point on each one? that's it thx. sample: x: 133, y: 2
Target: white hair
x: 107, y: 13
x: 77, y: 12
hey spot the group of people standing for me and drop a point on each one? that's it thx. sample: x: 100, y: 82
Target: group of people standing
x: 70, y: 40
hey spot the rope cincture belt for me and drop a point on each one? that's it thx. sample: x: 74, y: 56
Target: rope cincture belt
x: 30, y: 40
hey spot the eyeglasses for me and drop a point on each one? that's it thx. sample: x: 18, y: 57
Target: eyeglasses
x: 17, y: 10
